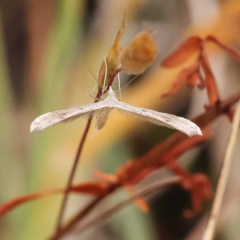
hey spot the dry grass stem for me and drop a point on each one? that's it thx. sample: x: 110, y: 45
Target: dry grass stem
x: 210, y: 229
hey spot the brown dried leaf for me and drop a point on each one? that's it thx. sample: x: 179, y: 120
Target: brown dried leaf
x: 233, y: 52
x: 182, y: 77
x: 210, y: 81
x: 111, y: 59
x: 185, y: 50
x: 138, y: 54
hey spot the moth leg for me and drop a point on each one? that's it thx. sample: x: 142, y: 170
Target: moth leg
x: 105, y: 76
x: 119, y: 87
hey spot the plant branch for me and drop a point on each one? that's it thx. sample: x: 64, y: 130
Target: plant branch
x: 144, y: 193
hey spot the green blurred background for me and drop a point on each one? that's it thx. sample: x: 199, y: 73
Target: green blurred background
x: 48, y: 50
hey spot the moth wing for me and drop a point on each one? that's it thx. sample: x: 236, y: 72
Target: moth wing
x: 162, y: 119
x: 52, y: 118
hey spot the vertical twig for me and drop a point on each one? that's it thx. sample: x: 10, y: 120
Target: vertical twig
x: 73, y: 170
x: 71, y: 176
x: 221, y: 186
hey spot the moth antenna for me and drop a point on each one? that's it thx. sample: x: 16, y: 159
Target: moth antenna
x: 151, y: 29
x: 94, y: 88
x: 88, y: 94
x: 130, y: 81
x: 93, y: 75
x: 95, y: 80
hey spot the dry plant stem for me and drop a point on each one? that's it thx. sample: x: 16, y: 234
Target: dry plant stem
x: 144, y: 193
x: 71, y: 176
x: 221, y: 186
x: 73, y: 170
x: 82, y: 214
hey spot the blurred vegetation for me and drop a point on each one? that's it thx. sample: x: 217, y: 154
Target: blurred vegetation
x: 47, y: 49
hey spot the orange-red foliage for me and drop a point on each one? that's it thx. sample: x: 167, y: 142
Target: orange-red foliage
x: 199, y: 73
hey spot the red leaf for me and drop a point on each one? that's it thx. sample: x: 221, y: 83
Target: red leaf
x: 201, y: 191
x: 141, y: 175
x: 186, y: 50
x: 233, y: 52
x: 89, y: 188
x: 10, y: 205
x: 210, y: 81
x: 198, y: 185
x: 181, y: 79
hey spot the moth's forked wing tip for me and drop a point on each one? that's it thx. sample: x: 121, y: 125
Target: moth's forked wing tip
x: 34, y: 127
x: 195, y: 131
x: 40, y: 123
x: 199, y: 132
x: 44, y: 121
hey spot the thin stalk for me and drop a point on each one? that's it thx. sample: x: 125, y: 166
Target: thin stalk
x: 222, y: 182
x: 73, y: 170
